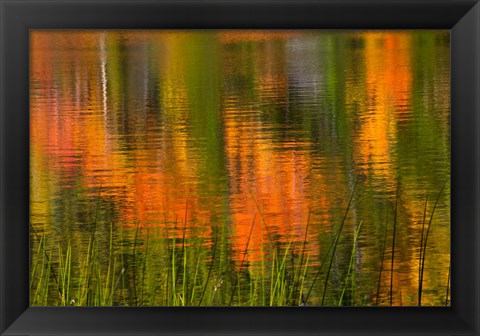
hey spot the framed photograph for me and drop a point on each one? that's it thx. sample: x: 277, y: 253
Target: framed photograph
x: 229, y: 167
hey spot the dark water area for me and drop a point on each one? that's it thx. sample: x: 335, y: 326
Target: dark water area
x: 189, y: 137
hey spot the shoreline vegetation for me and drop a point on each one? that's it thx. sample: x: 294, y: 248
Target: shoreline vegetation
x: 166, y: 266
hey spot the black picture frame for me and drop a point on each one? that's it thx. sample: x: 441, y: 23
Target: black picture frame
x: 18, y: 17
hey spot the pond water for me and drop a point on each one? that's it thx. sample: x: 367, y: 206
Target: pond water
x: 313, y: 158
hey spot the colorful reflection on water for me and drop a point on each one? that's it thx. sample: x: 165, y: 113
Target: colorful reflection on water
x: 222, y: 129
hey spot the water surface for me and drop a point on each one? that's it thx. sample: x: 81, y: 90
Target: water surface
x: 221, y: 129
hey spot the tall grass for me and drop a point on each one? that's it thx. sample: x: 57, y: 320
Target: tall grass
x: 384, y: 246
x: 350, y: 278
x: 393, y: 246
x: 336, y: 244
x: 424, y: 249
x: 175, y: 264
x: 165, y: 270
